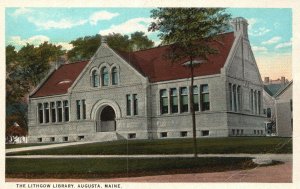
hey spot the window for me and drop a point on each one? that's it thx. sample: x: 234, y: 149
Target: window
x: 114, y: 76
x: 80, y: 137
x: 291, y: 104
x: 135, y: 104
x: 251, y: 100
x: 46, y: 111
x: 39, y: 139
x: 163, y: 134
x: 196, y: 98
x: 53, y: 112
x: 78, y: 109
x: 230, y: 96
x: 105, y: 76
x: 174, y: 100
x: 41, y: 112
x: 128, y: 104
x: 242, y: 131
x: 66, y: 110
x: 95, y: 79
x: 205, y: 133
x: 205, y: 105
x: 259, y: 102
x: 239, y: 98
x: 65, y: 139
x: 234, y: 98
x: 183, y: 133
x: 164, y: 101
x: 132, y: 135
x: 52, y: 139
x: 269, y: 112
x: 255, y: 132
x: 83, y: 109
x: 233, y: 131
x: 237, y: 131
x: 59, y: 111
x: 184, y: 99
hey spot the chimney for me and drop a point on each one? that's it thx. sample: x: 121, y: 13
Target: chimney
x: 282, y: 80
x: 240, y: 25
x: 267, y: 80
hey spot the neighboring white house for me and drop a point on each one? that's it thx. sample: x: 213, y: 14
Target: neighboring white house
x: 143, y: 95
x: 284, y: 111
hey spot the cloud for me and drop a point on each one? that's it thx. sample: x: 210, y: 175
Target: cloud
x: 130, y: 26
x: 21, y: 11
x: 65, y: 45
x: 52, y: 24
x: 34, y: 40
x: 102, y: 15
x: 259, y: 49
x: 251, y: 22
x: 259, y: 32
x: 283, y: 45
x: 271, y: 41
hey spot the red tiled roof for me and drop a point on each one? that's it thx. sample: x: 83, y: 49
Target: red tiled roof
x: 154, y: 64
x: 151, y: 63
x: 61, y: 79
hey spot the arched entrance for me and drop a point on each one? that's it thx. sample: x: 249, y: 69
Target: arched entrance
x: 106, y: 119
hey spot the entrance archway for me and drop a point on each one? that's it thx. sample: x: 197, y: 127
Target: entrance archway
x: 106, y: 121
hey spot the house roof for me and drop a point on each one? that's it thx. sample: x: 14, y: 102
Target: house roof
x: 272, y: 89
x: 279, y: 92
x: 151, y: 63
x: 61, y: 79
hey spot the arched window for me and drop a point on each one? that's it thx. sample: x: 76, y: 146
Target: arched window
x: 105, y: 77
x: 95, y: 79
x: 114, y: 76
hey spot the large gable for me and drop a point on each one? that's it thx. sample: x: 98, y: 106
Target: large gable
x: 153, y: 63
x: 61, y: 79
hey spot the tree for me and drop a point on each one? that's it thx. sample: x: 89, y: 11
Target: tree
x: 188, y: 32
x: 85, y: 47
x: 139, y: 41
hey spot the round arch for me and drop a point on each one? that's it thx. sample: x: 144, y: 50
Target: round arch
x: 101, y: 104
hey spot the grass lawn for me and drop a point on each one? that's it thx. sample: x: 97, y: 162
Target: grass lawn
x: 119, y: 167
x: 175, y: 146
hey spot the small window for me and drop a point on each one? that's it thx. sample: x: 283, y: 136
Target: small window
x: 52, y: 139
x: 128, y: 105
x: 83, y: 109
x: 184, y: 102
x: 78, y: 105
x: 255, y: 132
x: 65, y: 139
x: 233, y: 131
x: 238, y: 132
x: 53, y: 112
x: 39, y: 139
x: 105, y: 76
x: 135, y: 104
x: 163, y: 134
x: 205, y: 103
x: 196, y: 98
x: 174, y: 100
x: 46, y: 112
x: 80, y: 137
x: 114, y: 75
x: 164, y: 105
x: 205, y: 133
x: 95, y: 79
x: 66, y: 110
x: 131, y: 135
x: 242, y: 131
x: 183, y: 133
x: 41, y: 112
x: 59, y: 111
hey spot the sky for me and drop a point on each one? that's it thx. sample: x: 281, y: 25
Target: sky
x: 270, y: 30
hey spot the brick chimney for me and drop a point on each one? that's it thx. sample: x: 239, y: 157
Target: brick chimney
x: 267, y: 80
x: 282, y: 80
x: 240, y: 25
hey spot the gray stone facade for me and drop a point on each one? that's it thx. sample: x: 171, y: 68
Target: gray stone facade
x: 235, y: 102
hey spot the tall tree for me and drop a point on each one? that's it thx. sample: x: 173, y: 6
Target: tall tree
x: 188, y: 31
x: 85, y: 47
x: 139, y: 41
